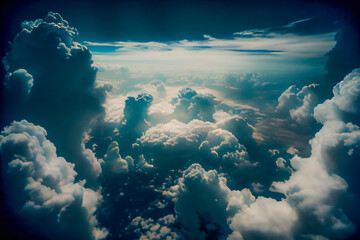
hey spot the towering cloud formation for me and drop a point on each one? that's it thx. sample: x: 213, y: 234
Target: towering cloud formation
x: 315, y: 188
x: 299, y: 103
x: 41, y: 186
x: 208, y: 209
x: 136, y: 115
x: 51, y: 82
x: 344, y: 106
x: 192, y: 105
x: 201, y: 204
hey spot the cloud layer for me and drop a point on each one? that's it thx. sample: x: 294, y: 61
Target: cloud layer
x: 147, y: 152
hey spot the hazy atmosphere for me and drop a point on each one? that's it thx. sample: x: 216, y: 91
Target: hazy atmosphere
x: 232, y: 120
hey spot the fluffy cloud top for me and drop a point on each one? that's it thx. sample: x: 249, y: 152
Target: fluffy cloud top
x: 51, y: 82
x: 313, y: 194
x: 207, y: 208
x: 114, y: 162
x: 42, y: 186
x: 344, y: 105
x: 203, y: 216
x: 265, y: 218
x: 191, y: 105
x: 299, y: 103
x: 315, y: 188
x: 175, y: 144
x: 160, y: 229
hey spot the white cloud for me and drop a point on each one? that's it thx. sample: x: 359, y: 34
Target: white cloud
x: 265, y: 218
x: 41, y: 185
x: 205, y: 206
x: 213, y: 56
x: 114, y: 162
x: 201, y: 202
x: 299, y: 103
x: 173, y: 144
x: 150, y: 229
x: 314, y: 189
x: 344, y: 104
x: 53, y: 78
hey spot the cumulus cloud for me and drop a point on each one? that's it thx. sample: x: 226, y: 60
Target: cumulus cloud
x: 265, y: 218
x: 125, y: 131
x: 19, y: 82
x: 54, y: 77
x: 41, y: 186
x: 313, y: 191
x: 225, y: 147
x: 191, y: 105
x: 201, y: 203
x: 208, y: 209
x: 242, y: 130
x: 173, y: 141
x: 299, y: 103
x: 344, y: 105
x: 18, y: 85
x: 313, y: 195
x: 175, y: 144
x: 148, y: 229
x: 136, y: 111
x: 314, y: 188
x: 114, y: 162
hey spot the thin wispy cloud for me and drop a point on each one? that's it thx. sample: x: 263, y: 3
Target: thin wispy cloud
x: 258, y: 53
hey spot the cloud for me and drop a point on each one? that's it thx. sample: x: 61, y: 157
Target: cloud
x: 173, y: 145
x: 226, y: 147
x: 187, y: 153
x: 265, y: 52
x: 299, y: 104
x: 19, y: 82
x: 191, y: 105
x: 344, y: 105
x: 201, y: 203
x: 288, y: 99
x: 207, y: 208
x: 315, y: 188
x: 243, y: 84
x: 134, y: 123
x: 55, y: 85
x: 170, y: 143
x: 265, y: 218
x: 18, y: 85
x: 242, y: 130
x: 187, y: 93
x: 136, y: 112
x: 115, y: 163
x: 241, y: 42
x: 41, y: 187
x: 314, y: 191
x: 161, y: 229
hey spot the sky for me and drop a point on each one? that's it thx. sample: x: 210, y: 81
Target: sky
x: 230, y: 120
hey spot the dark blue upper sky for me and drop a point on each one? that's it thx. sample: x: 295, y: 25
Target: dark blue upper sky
x: 174, y: 20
